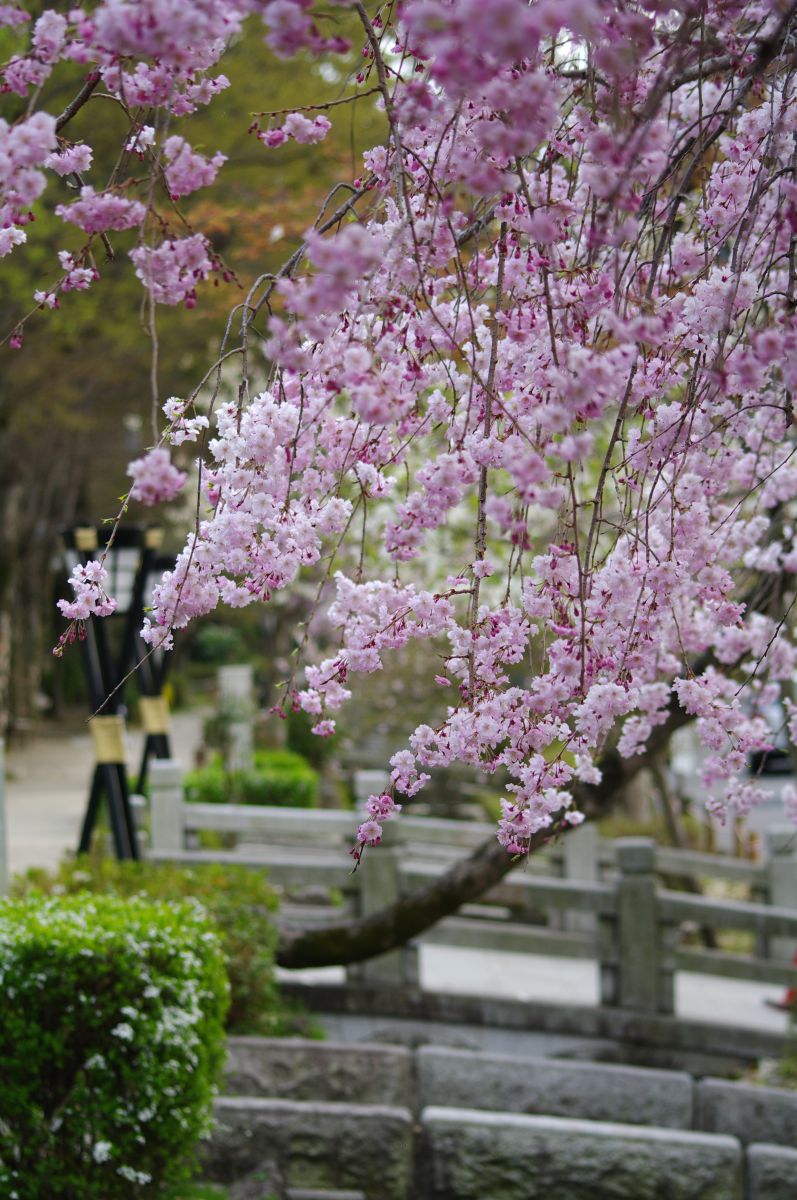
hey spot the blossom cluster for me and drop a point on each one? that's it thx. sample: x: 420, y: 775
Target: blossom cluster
x: 172, y: 270
x: 156, y: 479
x: 378, y: 809
x: 89, y: 583
x: 532, y: 400
x: 154, y: 55
x: 298, y: 127
x: 187, y: 170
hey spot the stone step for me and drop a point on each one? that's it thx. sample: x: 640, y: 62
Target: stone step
x: 551, y: 1087
x: 304, y: 1069
x: 314, y: 1194
x: 470, y: 1155
x: 771, y: 1173
x: 748, y: 1111
x: 359, y: 1148
x: 347, y: 1151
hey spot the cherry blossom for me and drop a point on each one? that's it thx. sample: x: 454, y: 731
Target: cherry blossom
x: 187, y: 170
x: 97, y: 212
x: 172, y: 270
x: 530, y: 379
x: 156, y: 480
x: 89, y: 583
x: 70, y: 160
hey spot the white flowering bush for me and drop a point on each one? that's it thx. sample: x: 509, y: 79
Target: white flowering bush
x: 111, y: 1039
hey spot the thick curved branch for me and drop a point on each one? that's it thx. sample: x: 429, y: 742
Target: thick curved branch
x: 410, y: 916
x: 391, y: 927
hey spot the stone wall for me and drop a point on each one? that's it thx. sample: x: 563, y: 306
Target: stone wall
x: 337, y: 1122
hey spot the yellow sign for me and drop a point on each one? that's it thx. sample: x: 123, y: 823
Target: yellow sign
x: 86, y: 538
x: 154, y: 714
x: 108, y: 734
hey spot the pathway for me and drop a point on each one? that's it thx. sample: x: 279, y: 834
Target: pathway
x: 47, y: 785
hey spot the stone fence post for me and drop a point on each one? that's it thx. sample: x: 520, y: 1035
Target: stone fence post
x: 580, y: 862
x: 4, y: 871
x: 166, y: 802
x: 636, y: 966
x: 379, y: 877
x: 369, y: 783
x: 781, y: 851
x: 237, y: 708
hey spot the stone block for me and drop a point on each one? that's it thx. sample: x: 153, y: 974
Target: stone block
x: 304, y: 1194
x: 748, y: 1112
x: 501, y: 1156
x: 771, y: 1173
x: 592, y: 1091
x: 321, y: 1147
x: 303, y: 1069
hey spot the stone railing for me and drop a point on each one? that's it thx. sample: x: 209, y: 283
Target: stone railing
x: 625, y: 920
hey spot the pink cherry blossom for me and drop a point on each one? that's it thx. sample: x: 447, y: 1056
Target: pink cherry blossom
x: 156, y: 480
x: 70, y: 160
x: 530, y: 394
x: 186, y: 170
x: 98, y: 212
x: 172, y: 270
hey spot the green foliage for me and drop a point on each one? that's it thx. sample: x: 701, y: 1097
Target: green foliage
x: 111, y: 1039
x: 239, y: 902
x: 620, y: 824
x: 303, y: 741
x: 278, y: 777
x: 215, y: 645
x: 200, y: 1191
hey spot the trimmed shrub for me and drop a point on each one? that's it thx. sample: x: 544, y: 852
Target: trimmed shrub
x: 111, y: 1040
x: 239, y: 901
x: 279, y: 777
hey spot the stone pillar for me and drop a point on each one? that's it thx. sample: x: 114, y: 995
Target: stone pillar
x: 379, y: 881
x: 369, y: 783
x: 781, y: 852
x: 4, y: 871
x: 580, y: 861
x: 642, y: 975
x: 237, y: 708
x: 166, y: 805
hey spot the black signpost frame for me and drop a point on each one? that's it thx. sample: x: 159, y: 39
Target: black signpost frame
x: 153, y: 665
x: 107, y: 673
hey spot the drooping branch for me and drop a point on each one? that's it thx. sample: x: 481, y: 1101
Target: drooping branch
x: 359, y: 939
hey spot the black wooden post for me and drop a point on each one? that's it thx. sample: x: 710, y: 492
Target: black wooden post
x: 152, y: 664
x: 127, y: 562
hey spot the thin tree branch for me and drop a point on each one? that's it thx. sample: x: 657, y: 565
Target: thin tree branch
x: 80, y: 99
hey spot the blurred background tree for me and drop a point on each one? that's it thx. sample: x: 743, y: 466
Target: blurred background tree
x: 76, y: 399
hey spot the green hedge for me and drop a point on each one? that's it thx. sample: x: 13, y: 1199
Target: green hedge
x: 278, y: 777
x: 239, y: 901
x: 111, y: 1040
